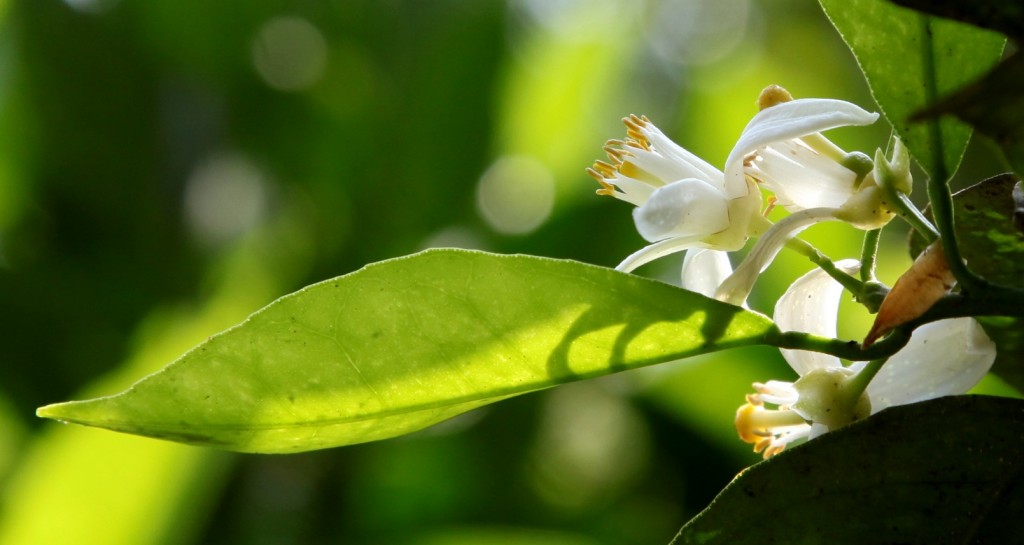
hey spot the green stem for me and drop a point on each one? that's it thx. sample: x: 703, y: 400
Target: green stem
x: 849, y: 350
x: 805, y: 249
x: 938, y: 184
x: 909, y: 212
x: 868, y: 253
x: 859, y: 383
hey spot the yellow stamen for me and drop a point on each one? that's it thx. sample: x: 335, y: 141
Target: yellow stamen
x: 606, y: 188
x: 616, y: 155
x: 634, y: 130
x: 754, y: 422
x: 607, y: 170
x: 633, y: 171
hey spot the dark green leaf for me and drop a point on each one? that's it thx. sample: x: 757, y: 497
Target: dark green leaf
x: 998, y: 15
x: 890, y: 43
x: 942, y: 471
x: 985, y: 231
x: 1018, y: 205
x: 1008, y: 334
x: 994, y: 105
x: 406, y: 343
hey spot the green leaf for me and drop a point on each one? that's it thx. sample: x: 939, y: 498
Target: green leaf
x: 994, y: 105
x: 891, y: 43
x: 942, y: 471
x: 1008, y: 334
x: 406, y: 343
x: 998, y: 15
x: 986, y: 232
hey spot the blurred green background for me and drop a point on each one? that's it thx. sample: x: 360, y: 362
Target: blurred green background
x: 168, y: 167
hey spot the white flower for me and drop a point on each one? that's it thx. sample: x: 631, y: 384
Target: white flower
x: 810, y: 176
x: 704, y: 270
x: 946, y: 357
x: 781, y: 148
x: 682, y: 201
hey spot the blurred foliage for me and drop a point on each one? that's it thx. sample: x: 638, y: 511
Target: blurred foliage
x: 150, y: 151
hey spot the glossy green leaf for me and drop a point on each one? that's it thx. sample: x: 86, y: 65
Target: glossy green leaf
x: 406, y: 343
x: 947, y: 470
x: 892, y: 44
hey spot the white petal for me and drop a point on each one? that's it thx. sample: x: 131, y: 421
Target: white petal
x: 685, y: 208
x: 947, y: 357
x: 697, y: 167
x: 704, y: 270
x: 810, y: 305
x: 788, y: 120
x: 802, y: 178
x: 777, y: 392
x: 661, y: 168
x: 736, y: 288
x: 658, y: 249
x: 631, y: 190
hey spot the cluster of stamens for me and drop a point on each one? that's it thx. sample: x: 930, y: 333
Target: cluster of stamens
x: 618, y: 153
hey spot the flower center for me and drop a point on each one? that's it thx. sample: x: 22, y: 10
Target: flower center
x: 829, y: 397
x: 769, y: 430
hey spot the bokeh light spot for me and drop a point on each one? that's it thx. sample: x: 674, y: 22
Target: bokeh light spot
x: 289, y: 53
x: 515, y: 195
x: 91, y: 6
x: 699, y: 32
x: 225, y: 197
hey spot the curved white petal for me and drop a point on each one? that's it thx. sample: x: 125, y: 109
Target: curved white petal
x: 788, y: 120
x: 736, y: 288
x: 942, y: 358
x: 657, y: 250
x: 802, y: 178
x: 659, y: 169
x: 810, y: 305
x: 697, y: 167
x: 685, y: 208
x: 631, y: 190
x: 704, y: 270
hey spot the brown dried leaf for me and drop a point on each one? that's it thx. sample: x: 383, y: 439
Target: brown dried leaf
x: 924, y: 283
